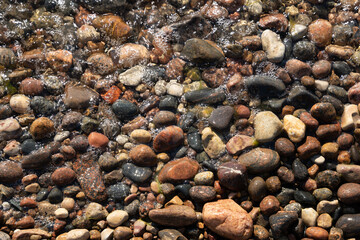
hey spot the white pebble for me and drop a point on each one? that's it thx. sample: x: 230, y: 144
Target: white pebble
x: 117, y: 217
x: 175, y: 89
x: 61, y: 213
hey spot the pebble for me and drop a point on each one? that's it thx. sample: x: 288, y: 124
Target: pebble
x: 202, y: 51
x: 96, y: 211
x: 63, y: 176
x: 118, y: 191
x: 168, y: 139
x: 132, y: 54
x: 135, y: 173
x: 220, y: 118
x: 31, y: 86
x: 61, y: 213
x: 297, y: 68
x: 281, y: 222
x: 26, y: 233
x: 324, y: 221
x: 320, y: 26
x: 269, y: 205
x: 204, y: 178
x: 124, y: 109
x: 310, y: 148
x: 212, y: 143
x: 202, y: 193
x: 107, y: 234
x: 347, y: 118
x: 322, y: 194
x: 174, y: 215
x: 309, y: 216
x: 116, y: 218
x: 164, y: 118
x: 232, y: 176
x: 179, y: 170
x: 295, y: 128
x: 20, y: 103
x: 273, y: 46
x: 174, y: 89
x: 206, y: 96
x: 100, y: 63
x: 328, y: 178
x: 228, y: 219
x: 239, y: 143
x: 317, y: 233
x: 133, y: 76
x: 267, y: 126
x: 10, y: 172
x: 349, y: 224
x: 349, y: 193
x: 260, y: 160
x: 169, y: 234
x: 321, y: 69
x: 78, y: 234
x: 68, y: 204
x: 284, y: 147
x: 97, y: 140
x: 78, y: 97
x: 122, y: 233
x: 323, y: 112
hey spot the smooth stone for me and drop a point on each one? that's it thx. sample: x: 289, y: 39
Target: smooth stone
x: 10, y: 172
x: 55, y: 196
x: 350, y: 224
x: 299, y: 97
x: 202, y: 193
x: 273, y: 46
x: 351, y: 173
x: 232, y: 176
x: 338, y: 92
x: 202, y: 51
x: 63, y: 176
x: 300, y: 170
x: 265, y: 87
x: 304, y: 50
x: 295, y: 128
x: 194, y: 141
x: 328, y: 178
x: 135, y: 173
x: 107, y: 162
x: 205, y: 96
x: 27, y: 233
x: 281, y: 221
x: 61, y: 213
x: 228, y: 219
x: 4, y: 236
x: 171, y: 234
x: 36, y: 159
x: 80, y: 97
x: 257, y: 189
x: 349, y: 193
x: 325, y: 206
x: 305, y: 198
x: 179, y: 170
x: 124, y: 109
x: 20, y: 103
x: 116, y: 218
x: 212, y: 143
x: 309, y: 216
x: 164, y: 118
x: 78, y: 234
x: 9, y: 129
x: 260, y: 160
x: 96, y: 211
x: 140, y: 136
x: 204, y: 178
x: 168, y: 139
x: 267, y: 126
x: 322, y: 194
x: 284, y: 147
x: 324, y: 112
x: 220, y: 118
x: 42, y: 106
x: 239, y: 143
x: 107, y: 234
x: 317, y: 233
x: 143, y: 155
x: 320, y: 85
x: 173, y: 215
x: 174, y: 88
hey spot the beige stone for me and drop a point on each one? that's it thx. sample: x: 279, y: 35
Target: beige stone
x: 267, y: 126
x: 347, y: 118
x: 213, y: 145
x: 294, y: 128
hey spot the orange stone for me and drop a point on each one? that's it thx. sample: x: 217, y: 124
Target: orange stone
x: 111, y: 95
x: 179, y: 170
x: 317, y: 233
x: 60, y: 60
x: 97, y: 140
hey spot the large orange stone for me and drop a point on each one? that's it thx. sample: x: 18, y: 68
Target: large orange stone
x: 179, y: 170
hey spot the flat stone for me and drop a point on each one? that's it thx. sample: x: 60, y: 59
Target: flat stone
x: 135, y: 173
x: 265, y: 87
x: 206, y: 96
x: 168, y: 139
x: 202, y: 51
x: 220, y: 118
x: 10, y: 172
x: 80, y: 97
x: 174, y: 215
x: 350, y: 224
x: 239, y: 143
x: 179, y: 170
x: 349, y: 193
x: 295, y: 128
x: 27, y: 233
x: 351, y: 173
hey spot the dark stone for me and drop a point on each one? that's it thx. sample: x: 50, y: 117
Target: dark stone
x: 264, y: 86
x: 169, y: 103
x: 324, y: 112
x: 124, y: 109
x: 305, y: 198
x: 55, y: 196
x: 183, y: 189
x: 202, y: 193
x: 285, y: 196
x: 5, y: 111
x: 338, y: 92
x: 350, y: 224
x: 299, y: 97
x: 300, y: 170
x: 341, y: 68
x: 304, y: 50
x: 339, y: 107
x: 257, y: 189
x: 194, y: 141
x: 328, y: 178
x: 200, y: 51
x: 118, y: 191
x: 42, y: 106
x: 135, y: 173
x: 220, y: 118
x: 42, y: 195
x: 206, y: 96
x: 186, y: 121
x: 28, y: 146
x: 171, y: 234
x: 149, y: 103
x: 232, y: 176
x: 281, y: 222
x: 79, y: 143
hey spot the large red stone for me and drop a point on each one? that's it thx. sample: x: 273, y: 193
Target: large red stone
x: 168, y: 139
x: 179, y: 170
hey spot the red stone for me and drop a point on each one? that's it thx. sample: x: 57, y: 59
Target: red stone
x: 179, y: 170
x: 168, y: 139
x: 63, y: 176
x: 97, y: 140
x: 111, y: 95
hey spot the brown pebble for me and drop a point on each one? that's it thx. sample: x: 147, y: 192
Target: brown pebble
x: 328, y: 132
x: 31, y: 86
x: 310, y: 148
x: 288, y: 109
x: 284, y: 147
x: 269, y: 205
x: 345, y: 140
x: 31, y: 178
x: 317, y: 233
x: 242, y: 111
x: 308, y: 81
x: 310, y: 122
x: 97, y: 140
x: 285, y: 174
x: 273, y: 184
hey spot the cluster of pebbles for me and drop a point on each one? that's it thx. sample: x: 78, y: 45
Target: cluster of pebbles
x: 179, y: 119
